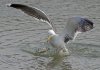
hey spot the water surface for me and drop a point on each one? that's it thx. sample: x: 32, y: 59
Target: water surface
x: 18, y: 30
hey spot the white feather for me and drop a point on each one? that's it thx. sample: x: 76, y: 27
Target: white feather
x: 76, y: 35
x: 51, y: 32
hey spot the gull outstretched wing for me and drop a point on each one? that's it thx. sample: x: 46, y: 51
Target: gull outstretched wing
x: 34, y: 12
x: 74, y: 26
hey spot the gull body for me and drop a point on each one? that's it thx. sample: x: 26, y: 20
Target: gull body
x: 57, y: 42
x: 74, y: 26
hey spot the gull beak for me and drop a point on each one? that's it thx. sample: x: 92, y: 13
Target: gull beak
x: 49, y: 38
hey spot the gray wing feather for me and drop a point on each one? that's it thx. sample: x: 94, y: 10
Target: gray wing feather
x: 69, y: 30
x: 74, y: 26
x: 34, y: 12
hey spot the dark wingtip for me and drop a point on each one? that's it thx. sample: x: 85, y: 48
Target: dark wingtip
x: 12, y: 5
x: 90, y: 22
x: 15, y: 5
x: 8, y: 5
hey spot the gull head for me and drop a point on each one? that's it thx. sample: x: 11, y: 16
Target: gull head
x: 51, y: 32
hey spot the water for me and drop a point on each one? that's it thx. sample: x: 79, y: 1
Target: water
x: 18, y: 31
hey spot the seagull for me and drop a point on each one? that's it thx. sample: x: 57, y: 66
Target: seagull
x: 73, y: 27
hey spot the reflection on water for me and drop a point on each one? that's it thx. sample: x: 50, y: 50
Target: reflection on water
x: 48, y: 51
x: 55, y: 61
x: 79, y: 52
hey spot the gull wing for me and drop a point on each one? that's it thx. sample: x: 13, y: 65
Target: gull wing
x: 74, y: 26
x: 34, y: 12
